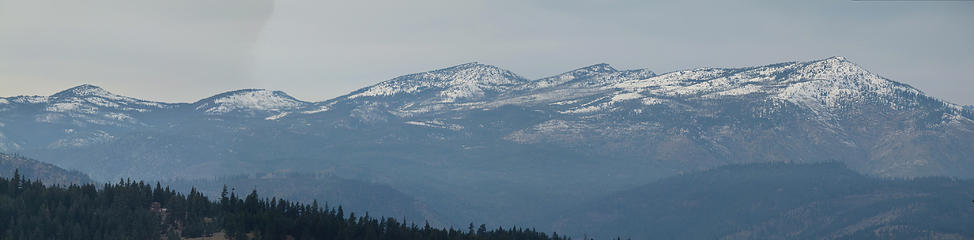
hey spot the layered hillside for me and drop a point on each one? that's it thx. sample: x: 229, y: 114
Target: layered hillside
x: 39, y: 171
x: 780, y: 201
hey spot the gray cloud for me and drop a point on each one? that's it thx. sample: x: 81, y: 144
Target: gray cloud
x: 320, y: 49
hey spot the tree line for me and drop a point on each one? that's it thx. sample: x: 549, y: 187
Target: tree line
x: 137, y: 210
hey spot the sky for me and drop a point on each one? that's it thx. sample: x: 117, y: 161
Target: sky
x: 186, y: 50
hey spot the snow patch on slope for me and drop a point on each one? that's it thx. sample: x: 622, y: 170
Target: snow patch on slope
x: 436, y: 124
x: 6, y: 145
x: 74, y: 140
x: 826, y: 84
x: 324, y: 108
x: 69, y: 107
x: 278, y: 116
x: 625, y: 97
x: 564, y: 130
x: 28, y: 99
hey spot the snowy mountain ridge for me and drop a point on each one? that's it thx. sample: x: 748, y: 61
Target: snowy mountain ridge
x: 821, y: 110
x: 594, y: 75
x: 820, y: 85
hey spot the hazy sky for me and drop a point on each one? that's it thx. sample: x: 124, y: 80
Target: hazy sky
x: 185, y: 50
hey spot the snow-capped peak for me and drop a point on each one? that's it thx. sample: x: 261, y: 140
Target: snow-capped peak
x: 85, y: 90
x: 84, y: 104
x: 836, y: 58
x: 600, y: 68
x: 248, y: 100
x: 464, y: 81
x: 587, y: 77
x: 833, y: 68
x: 828, y: 82
x: 91, y: 99
x: 467, y: 73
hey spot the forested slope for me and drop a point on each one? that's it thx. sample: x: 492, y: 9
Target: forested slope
x: 125, y: 210
x: 353, y: 195
x: 46, y: 172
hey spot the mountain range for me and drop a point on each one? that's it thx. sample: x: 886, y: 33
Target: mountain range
x: 480, y: 142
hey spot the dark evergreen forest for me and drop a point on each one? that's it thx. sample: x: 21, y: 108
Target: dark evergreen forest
x: 137, y: 210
